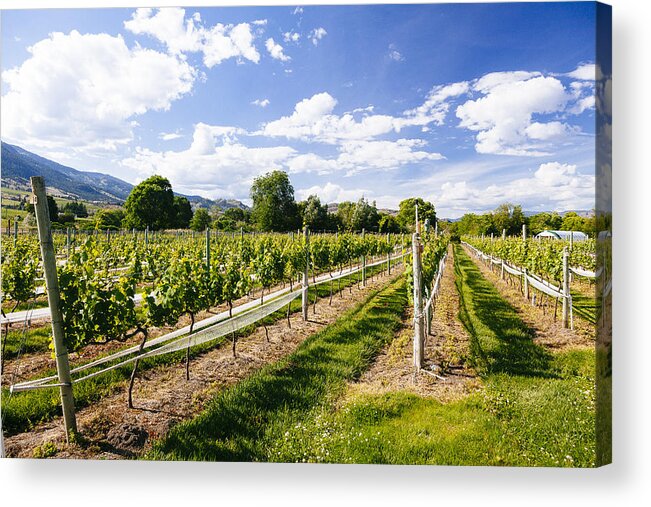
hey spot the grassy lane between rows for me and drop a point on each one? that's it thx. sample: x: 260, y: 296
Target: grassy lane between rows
x: 22, y: 411
x: 252, y: 420
x: 535, y: 409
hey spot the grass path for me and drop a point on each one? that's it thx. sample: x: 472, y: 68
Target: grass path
x: 250, y: 421
x: 535, y: 407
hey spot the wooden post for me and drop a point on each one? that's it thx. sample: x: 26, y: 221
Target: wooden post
x: 304, y: 299
x: 418, y: 304
x: 566, y: 289
x: 147, y: 237
x: 363, y: 260
x: 417, y: 221
x: 68, y: 243
x: 502, y: 271
x: 524, y: 231
x: 571, y: 240
x: 436, y: 228
x: 15, y: 229
x: 52, y: 287
x: 526, y: 284
x: 208, y: 249
x: 503, y: 234
x: 389, y: 254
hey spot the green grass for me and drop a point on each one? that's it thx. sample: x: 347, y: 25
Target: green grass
x: 32, y: 340
x: 22, y: 411
x: 584, y: 307
x: 534, y: 410
x: 247, y: 422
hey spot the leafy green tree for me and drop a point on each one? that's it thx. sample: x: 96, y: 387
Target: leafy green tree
x: 76, y: 208
x: 182, y: 212
x: 389, y: 223
x: 109, y: 219
x: 345, y: 215
x: 545, y: 221
x: 365, y: 216
x: 573, y: 222
x: 274, y: 208
x: 510, y: 217
x: 200, y: 220
x: 407, y: 212
x: 151, y: 204
x: 52, y: 206
x: 315, y: 215
x: 238, y: 214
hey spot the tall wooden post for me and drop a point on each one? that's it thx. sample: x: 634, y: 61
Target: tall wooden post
x: 389, y: 253
x: 503, y: 234
x: 571, y: 240
x: 363, y: 260
x: 526, y: 283
x: 304, y: 300
x: 418, y: 304
x: 208, y: 249
x: 52, y: 287
x: 524, y: 231
x: 146, y: 237
x: 15, y: 229
x: 566, y: 289
x: 68, y: 243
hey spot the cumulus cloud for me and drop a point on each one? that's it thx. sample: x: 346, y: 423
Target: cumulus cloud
x: 215, y: 165
x: 436, y: 104
x: 169, y: 136
x: 291, y: 37
x: 503, y: 115
x: 276, y: 50
x: 260, y: 102
x: 170, y: 26
x: 317, y: 34
x: 331, y: 192
x: 553, y: 186
x: 584, y: 72
x: 83, y: 92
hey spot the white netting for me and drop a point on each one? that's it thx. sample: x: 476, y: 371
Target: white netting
x: 203, y: 331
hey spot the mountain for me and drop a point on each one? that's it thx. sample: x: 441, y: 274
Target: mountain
x: 18, y: 165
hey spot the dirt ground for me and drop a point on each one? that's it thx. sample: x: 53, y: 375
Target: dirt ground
x: 549, y: 333
x: 445, y: 376
x: 163, y: 397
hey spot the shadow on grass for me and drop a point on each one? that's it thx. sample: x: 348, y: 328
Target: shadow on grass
x: 585, y: 307
x: 501, y: 341
x: 241, y: 419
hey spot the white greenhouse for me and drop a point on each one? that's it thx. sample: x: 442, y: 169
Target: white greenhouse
x: 563, y: 235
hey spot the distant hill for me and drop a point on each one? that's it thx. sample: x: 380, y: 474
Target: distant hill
x: 18, y: 165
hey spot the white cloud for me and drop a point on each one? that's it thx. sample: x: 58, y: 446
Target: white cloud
x: 260, y: 102
x: 436, y: 105
x: 584, y: 72
x: 546, y: 131
x: 553, y: 186
x: 331, y: 193
x: 218, y: 43
x: 259, y: 22
x: 169, y: 136
x: 83, y: 92
x: 298, y: 10
x: 504, y: 112
x: 223, y: 42
x: 276, y: 50
x: 396, y: 56
x: 317, y: 34
x: 291, y: 37
x: 215, y: 165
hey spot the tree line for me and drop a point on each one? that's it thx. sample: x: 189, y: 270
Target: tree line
x: 152, y: 204
x: 511, y: 218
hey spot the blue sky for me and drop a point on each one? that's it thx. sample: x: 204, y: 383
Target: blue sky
x: 466, y: 105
